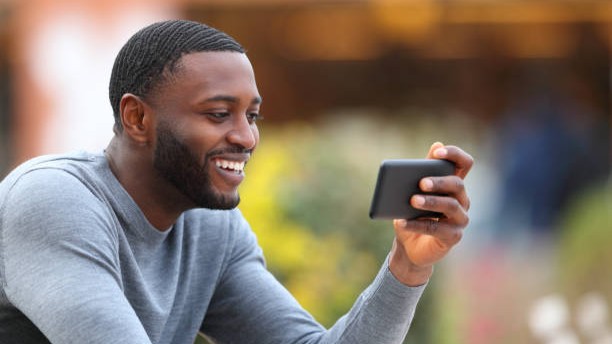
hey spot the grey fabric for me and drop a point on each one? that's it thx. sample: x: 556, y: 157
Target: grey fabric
x: 80, y: 263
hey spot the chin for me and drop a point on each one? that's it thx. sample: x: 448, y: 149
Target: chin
x: 218, y: 201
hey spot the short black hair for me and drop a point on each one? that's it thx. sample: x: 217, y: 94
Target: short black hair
x: 151, y: 53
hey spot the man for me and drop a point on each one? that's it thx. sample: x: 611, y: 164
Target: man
x: 143, y: 244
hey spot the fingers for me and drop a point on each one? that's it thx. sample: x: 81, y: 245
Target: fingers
x: 446, y: 195
x: 454, y: 212
x: 462, y: 160
x: 448, y: 185
x: 456, y: 203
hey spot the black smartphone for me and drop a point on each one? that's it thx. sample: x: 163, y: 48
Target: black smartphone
x: 398, y: 180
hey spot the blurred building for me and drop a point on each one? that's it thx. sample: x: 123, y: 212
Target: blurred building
x: 309, y: 56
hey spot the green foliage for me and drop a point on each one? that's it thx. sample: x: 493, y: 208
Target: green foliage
x: 318, y: 241
x: 584, y: 249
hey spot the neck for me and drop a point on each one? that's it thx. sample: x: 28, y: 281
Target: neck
x: 132, y: 165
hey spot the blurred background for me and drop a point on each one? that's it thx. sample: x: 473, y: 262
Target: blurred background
x: 522, y: 85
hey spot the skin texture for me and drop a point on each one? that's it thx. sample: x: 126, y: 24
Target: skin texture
x: 166, y: 157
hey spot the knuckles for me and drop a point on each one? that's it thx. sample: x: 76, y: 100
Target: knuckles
x: 464, y: 158
x: 456, y: 236
x: 450, y: 233
x: 448, y: 184
x: 464, y: 221
x: 454, y: 206
x: 443, y: 204
x: 459, y: 184
x: 432, y: 226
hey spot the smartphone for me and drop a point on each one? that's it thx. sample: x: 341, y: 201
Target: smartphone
x: 398, y: 180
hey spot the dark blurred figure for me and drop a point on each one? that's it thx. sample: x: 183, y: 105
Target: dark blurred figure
x: 554, y: 142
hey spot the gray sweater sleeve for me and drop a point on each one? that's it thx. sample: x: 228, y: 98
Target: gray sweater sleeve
x: 58, y: 264
x: 250, y: 306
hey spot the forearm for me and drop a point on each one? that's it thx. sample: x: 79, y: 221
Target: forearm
x: 250, y: 306
x: 382, y: 314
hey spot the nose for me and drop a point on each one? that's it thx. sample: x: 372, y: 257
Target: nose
x: 243, y: 133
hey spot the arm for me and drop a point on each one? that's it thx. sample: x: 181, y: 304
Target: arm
x: 420, y: 243
x: 59, y: 263
x: 250, y: 306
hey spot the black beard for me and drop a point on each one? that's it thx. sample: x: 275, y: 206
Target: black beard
x: 175, y: 162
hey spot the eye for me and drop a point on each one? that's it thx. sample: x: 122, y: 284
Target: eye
x: 254, y: 117
x: 218, y: 116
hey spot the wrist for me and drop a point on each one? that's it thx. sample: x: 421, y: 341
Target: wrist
x: 406, y: 271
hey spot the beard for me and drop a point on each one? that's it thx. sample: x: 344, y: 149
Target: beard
x: 176, y: 163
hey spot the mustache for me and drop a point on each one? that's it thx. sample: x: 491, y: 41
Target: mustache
x: 229, y: 150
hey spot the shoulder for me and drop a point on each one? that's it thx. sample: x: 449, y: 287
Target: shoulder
x: 45, y: 177
x: 48, y: 174
x: 39, y: 186
x: 77, y: 164
x: 49, y: 190
x: 46, y: 205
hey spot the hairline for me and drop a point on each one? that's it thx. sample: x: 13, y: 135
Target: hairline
x: 175, y: 68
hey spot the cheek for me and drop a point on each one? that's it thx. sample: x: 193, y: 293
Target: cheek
x: 255, y: 131
x: 204, y: 137
x: 199, y: 145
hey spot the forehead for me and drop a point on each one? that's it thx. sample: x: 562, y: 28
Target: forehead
x: 215, y: 70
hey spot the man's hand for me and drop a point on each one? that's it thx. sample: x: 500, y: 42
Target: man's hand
x: 421, y: 243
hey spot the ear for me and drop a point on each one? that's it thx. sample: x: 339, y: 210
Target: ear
x: 136, y: 118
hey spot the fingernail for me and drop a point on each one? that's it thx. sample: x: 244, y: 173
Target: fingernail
x: 403, y: 223
x: 427, y: 184
x: 419, y: 201
x: 440, y: 152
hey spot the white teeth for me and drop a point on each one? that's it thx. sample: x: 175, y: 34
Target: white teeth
x: 237, y: 166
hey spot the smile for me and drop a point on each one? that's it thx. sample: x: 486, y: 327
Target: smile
x: 235, y: 166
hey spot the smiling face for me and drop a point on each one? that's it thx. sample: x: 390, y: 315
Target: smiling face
x: 206, y: 126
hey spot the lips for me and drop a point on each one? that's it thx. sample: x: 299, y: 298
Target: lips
x: 229, y: 170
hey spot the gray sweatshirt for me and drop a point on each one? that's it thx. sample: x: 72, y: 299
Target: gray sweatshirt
x: 80, y: 263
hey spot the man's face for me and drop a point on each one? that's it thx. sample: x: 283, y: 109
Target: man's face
x: 206, y: 130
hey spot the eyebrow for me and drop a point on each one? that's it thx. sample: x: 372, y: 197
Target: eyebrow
x: 231, y: 99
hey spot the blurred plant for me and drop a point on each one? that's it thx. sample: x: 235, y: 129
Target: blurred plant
x: 584, y: 248
x: 584, y: 256
x: 312, y: 234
